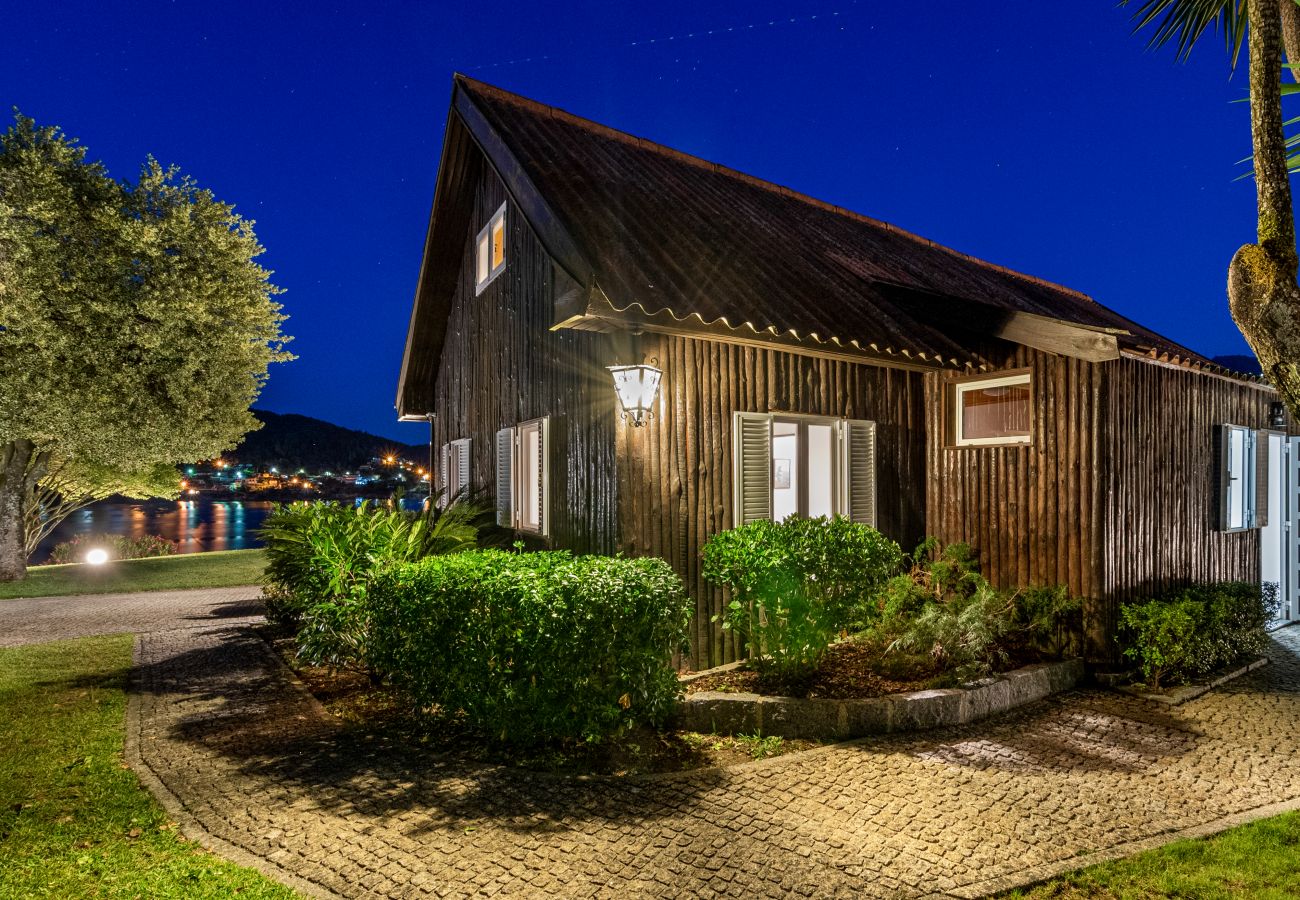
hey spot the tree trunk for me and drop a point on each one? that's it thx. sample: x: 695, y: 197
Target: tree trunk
x: 1262, y: 292
x: 21, y: 468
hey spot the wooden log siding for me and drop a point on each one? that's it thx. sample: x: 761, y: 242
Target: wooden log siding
x: 502, y: 365
x: 1114, y: 496
x: 1160, y: 482
x: 676, y: 472
x: 1032, y: 512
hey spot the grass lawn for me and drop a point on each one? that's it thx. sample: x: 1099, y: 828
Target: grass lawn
x: 74, y: 821
x: 1259, y: 860
x: 224, y: 568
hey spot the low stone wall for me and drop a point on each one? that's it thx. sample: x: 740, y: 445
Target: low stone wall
x: 791, y: 717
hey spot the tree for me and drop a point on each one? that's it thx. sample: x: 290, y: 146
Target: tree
x: 1262, y: 293
x: 136, y: 329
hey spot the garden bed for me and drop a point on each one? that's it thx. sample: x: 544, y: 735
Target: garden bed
x: 380, y: 713
x: 850, y: 670
x: 1181, y: 693
x: 828, y: 718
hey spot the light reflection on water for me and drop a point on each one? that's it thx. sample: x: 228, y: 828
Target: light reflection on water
x: 195, y: 525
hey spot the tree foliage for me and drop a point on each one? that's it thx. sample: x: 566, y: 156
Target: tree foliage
x: 136, y: 327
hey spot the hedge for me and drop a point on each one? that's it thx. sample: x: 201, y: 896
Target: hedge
x: 1198, y: 630
x: 533, y: 646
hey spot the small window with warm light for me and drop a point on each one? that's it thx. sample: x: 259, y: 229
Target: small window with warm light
x: 991, y: 411
x: 490, y: 250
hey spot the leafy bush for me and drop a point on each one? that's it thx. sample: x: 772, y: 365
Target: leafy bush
x: 118, y: 546
x: 943, y: 615
x: 1198, y: 630
x: 321, y: 558
x: 797, y: 584
x: 533, y: 646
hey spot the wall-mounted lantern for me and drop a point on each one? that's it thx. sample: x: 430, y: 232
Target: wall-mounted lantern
x: 1277, y: 415
x: 636, y: 387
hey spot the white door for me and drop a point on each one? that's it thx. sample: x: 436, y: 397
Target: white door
x: 1289, y: 517
x: 1273, y: 536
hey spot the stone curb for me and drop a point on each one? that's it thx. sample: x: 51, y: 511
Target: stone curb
x: 1181, y: 695
x: 1038, y: 874
x: 190, y: 825
x: 790, y: 717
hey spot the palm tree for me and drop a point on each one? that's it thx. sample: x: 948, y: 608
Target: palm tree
x: 1263, y: 296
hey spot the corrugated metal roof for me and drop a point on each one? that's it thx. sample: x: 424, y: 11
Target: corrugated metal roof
x: 674, y: 234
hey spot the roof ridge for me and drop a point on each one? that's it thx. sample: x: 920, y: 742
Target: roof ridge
x: 671, y: 152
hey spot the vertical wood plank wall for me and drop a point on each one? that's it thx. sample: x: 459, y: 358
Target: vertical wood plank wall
x: 502, y: 365
x: 1160, y: 483
x: 1032, y: 512
x: 1113, y: 498
x: 676, y: 471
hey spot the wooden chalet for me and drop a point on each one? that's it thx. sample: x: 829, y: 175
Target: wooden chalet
x: 810, y: 360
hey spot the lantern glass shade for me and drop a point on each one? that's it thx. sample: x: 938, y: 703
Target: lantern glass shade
x: 636, y: 387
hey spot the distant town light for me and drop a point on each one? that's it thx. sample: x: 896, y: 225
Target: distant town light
x: 97, y: 556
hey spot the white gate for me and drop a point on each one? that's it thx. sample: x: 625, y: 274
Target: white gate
x: 1289, y: 586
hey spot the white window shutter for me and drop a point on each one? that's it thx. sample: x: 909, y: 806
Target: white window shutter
x: 505, y: 479
x: 460, y: 464
x: 860, y: 471
x: 751, y: 442
x: 1261, y: 479
x: 544, y: 475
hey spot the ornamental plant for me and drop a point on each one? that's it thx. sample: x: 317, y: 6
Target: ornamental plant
x: 1198, y: 629
x: 943, y: 616
x: 797, y: 584
x: 527, y: 648
x: 322, y: 557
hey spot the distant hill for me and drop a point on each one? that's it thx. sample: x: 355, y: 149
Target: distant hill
x: 289, y: 441
x: 1243, y: 362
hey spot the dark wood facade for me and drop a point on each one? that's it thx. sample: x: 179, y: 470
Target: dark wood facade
x: 501, y: 365
x: 676, y: 472
x: 1115, y: 495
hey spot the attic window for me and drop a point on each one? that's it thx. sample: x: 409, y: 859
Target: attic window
x: 992, y: 410
x: 490, y: 247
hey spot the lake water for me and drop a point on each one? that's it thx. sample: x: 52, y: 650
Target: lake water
x: 195, y: 525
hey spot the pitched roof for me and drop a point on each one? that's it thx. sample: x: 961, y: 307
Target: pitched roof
x: 672, y: 238
x: 672, y: 233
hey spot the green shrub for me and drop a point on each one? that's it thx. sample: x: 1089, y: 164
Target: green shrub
x: 1161, y: 636
x: 530, y: 647
x: 1197, y: 630
x: 119, y: 546
x: 944, y: 617
x: 797, y: 584
x: 321, y: 558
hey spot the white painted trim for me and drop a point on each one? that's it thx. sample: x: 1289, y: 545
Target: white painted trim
x: 498, y: 216
x: 961, y: 387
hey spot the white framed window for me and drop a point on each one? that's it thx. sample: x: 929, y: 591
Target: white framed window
x: 795, y: 465
x: 1241, y: 461
x: 990, y: 411
x: 523, y: 454
x: 490, y: 250
x: 455, y: 469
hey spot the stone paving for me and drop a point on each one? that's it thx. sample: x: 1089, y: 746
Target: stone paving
x: 55, y: 618
x: 960, y: 812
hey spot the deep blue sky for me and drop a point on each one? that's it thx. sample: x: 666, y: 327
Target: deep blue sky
x: 1041, y: 136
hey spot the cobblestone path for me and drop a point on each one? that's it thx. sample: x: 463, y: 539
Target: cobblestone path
x: 1074, y: 779
x: 56, y: 618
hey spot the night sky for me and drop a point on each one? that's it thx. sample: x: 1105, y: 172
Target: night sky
x: 1044, y: 137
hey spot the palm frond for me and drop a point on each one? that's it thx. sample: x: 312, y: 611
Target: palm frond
x: 1184, y: 21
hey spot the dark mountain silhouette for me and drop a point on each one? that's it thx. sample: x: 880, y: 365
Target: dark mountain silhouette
x: 1239, y: 362
x: 290, y: 441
